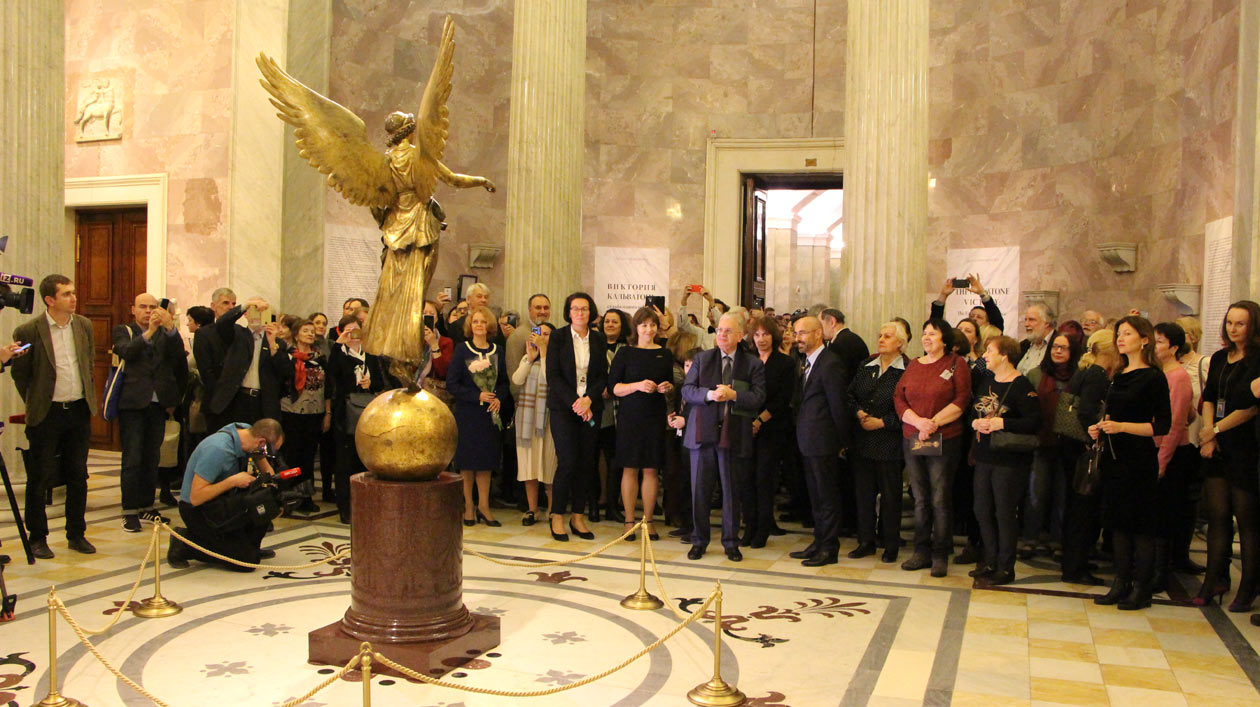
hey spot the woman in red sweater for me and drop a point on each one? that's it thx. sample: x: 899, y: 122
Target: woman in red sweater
x: 930, y: 399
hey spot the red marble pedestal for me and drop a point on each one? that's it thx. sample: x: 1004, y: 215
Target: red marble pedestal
x: 406, y: 595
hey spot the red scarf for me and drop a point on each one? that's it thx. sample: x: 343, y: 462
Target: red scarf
x: 299, y: 369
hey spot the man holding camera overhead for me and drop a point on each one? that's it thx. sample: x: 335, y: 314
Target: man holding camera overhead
x: 55, y: 382
x: 154, y: 376
x: 213, y: 501
x: 246, y: 388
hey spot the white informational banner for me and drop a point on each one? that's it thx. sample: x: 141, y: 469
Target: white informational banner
x: 352, y: 266
x: 625, y: 276
x: 1218, y: 245
x: 998, y: 269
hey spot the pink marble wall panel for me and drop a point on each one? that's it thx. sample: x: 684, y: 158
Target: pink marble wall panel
x: 1057, y: 125
x: 382, y: 53
x: 665, y: 75
x: 175, y: 60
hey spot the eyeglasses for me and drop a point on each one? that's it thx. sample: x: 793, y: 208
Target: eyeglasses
x: 1060, y: 347
x: 575, y: 310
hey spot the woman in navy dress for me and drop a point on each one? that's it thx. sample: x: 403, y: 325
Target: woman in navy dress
x: 640, y: 376
x: 480, y: 414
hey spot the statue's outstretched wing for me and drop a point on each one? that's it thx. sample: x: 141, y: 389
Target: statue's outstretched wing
x: 330, y: 137
x: 433, y: 120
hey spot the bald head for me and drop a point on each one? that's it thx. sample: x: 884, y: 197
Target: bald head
x: 809, y: 334
x: 142, y: 308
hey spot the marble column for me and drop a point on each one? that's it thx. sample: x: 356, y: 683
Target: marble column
x: 32, y: 165
x: 886, y: 179
x: 543, y: 245
x: 1245, y: 277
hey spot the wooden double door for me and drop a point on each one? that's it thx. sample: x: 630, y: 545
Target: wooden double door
x: 110, y: 261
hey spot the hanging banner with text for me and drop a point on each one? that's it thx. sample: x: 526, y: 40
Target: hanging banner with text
x: 1218, y: 262
x: 998, y: 269
x: 625, y: 276
x: 352, y: 265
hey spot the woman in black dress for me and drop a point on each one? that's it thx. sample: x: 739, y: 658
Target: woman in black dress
x: 478, y: 380
x: 876, y: 452
x: 770, y: 430
x: 1138, y: 410
x: 640, y: 376
x: 1227, y: 442
x: 1003, y: 401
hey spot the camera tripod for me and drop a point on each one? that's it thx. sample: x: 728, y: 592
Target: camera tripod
x: 8, y: 602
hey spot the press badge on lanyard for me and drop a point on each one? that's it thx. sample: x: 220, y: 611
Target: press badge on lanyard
x: 1220, y: 408
x: 946, y: 375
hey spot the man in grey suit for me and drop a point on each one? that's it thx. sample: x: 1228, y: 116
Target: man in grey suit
x: 55, y: 381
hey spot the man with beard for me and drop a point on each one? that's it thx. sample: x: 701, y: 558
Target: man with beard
x: 1038, y: 325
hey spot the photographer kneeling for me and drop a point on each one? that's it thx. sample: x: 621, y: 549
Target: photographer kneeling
x: 226, y: 508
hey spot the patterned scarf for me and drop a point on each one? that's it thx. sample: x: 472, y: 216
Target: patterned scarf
x: 531, y: 409
x: 299, y: 369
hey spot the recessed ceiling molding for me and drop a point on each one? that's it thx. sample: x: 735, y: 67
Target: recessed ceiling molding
x: 1121, y: 257
x: 1184, y: 297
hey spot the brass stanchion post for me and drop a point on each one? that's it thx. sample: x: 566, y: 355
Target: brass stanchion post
x: 716, y: 692
x: 365, y: 669
x: 642, y: 600
x: 53, y: 698
x: 157, y: 606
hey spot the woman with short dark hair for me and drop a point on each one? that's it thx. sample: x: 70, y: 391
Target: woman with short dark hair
x: 577, y: 374
x: 1137, y: 411
x: 640, y: 375
x: 930, y: 398
x: 615, y: 326
x: 1004, y: 404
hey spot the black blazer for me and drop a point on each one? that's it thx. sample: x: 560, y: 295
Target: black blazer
x: 822, y: 416
x: 703, y: 422
x: 238, y: 354
x: 342, y: 380
x: 850, y: 348
x: 562, y: 372
x: 158, y: 365
x: 780, y: 386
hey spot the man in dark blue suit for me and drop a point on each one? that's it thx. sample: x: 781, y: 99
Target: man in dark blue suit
x: 724, y: 390
x: 821, y: 433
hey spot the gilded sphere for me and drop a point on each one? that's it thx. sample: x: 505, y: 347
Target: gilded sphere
x: 405, y: 436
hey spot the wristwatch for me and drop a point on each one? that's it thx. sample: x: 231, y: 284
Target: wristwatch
x: 1216, y: 429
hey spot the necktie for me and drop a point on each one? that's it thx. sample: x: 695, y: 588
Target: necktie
x: 805, y: 373
x: 724, y: 438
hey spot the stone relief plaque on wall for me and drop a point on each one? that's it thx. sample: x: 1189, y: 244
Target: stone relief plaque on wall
x: 99, y: 111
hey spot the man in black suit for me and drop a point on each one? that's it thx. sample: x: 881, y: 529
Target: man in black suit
x: 245, y: 388
x: 208, y: 349
x: 153, y: 381
x: 55, y: 381
x: 724, y: 390
x: 842, y: 340
x: 821, y: 433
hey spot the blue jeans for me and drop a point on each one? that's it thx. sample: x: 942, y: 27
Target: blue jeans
x: 932, y: 480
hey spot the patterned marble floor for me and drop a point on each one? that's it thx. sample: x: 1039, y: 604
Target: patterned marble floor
x: 860, y: 632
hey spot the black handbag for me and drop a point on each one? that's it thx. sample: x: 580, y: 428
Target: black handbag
x: 1013, y: 442
x: 1066, y: 423
x: 356, y: 402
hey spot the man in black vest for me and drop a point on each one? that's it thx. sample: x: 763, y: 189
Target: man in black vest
x: 153, y: 378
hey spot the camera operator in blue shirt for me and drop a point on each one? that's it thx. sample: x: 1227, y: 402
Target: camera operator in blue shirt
x: 214, y: 503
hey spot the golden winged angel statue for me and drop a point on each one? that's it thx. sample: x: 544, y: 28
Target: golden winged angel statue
x: 397, y: 185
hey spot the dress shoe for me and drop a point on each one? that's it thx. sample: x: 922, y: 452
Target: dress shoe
x: 734, y: 555
x: 626, y: 526
x: 593, y: 514
x: 40, y: 549
x: 168, y: 499
x: 587, y: 535
x: 176, y: 555
x: 940, y: 567
x: 861, y: 551
x: 81, y: 546
x: 652, y: 534
x: 890, y: 555
x: 266, y: 554
x: 490, y: 522
x: 820, y: 558
x: 745, y: 541
x: 680, y: 533
x: 998, y: 579
x: 470, y: 522
x: 803, y: 554
x: 1140, y: 598
x: 1085, y: 578
x: 695, y: 553
x: 528, y: 519
x: 982, y: 570
x: 307, y: 506
x: 1119, y: 590
x: 1255, y: 619
x: 968, y: 556
x: 757, y: 543
x: 916, y: 562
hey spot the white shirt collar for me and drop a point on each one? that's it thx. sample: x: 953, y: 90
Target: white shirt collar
x: 899, y: 362
x: 53, y: 322
x: 813, y: 358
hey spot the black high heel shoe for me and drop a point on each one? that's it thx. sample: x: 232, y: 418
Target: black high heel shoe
x: 1242, y: 602
x: 1119, y: 590
x: 627, y: 525
x: 481, y: 518
x: 588, y: 535
x: 559, y: 537
x: 470, y: 522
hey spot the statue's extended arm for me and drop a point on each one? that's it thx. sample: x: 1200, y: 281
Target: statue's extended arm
x: 462, y: 181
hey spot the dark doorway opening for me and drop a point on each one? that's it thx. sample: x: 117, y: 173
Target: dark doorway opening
x: 109, y: 271
x: 792, y: 227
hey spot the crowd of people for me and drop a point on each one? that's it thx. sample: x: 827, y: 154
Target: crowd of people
x: 1088, y: 438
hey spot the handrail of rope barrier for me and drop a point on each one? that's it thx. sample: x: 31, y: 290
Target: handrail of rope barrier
x: 556, y: 563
